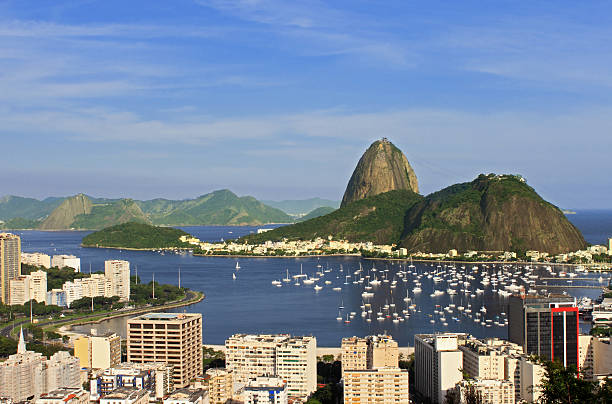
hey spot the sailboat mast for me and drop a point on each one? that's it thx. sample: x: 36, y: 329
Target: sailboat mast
x: 179, y: 285
x: 153, y: 285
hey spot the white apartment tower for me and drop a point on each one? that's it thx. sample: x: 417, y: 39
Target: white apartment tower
x: 66, y: 261
x: 118, y: 272
x: 20, y: 290
x: 438, y: 364
x: 38, y: 286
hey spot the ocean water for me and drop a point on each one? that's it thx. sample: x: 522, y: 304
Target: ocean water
x: 252, y: 304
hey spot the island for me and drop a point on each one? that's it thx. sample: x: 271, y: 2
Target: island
x: 137, y: 236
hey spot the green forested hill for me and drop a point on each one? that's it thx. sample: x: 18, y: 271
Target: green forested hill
x: 323, y: 210
x: 379, y: 219
x: 136, y: 235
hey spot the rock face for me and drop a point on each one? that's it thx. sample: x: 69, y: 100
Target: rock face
x: 491, y: 213
x: 382, y: 168
x: 64, y: 215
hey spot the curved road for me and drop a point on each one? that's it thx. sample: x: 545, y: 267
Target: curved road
x: 190, y: 295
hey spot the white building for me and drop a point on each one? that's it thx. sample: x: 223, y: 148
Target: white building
x: 266, y: 390
x: 438, y: 364
x: 492, y: 391
x: 73, y: 290
x: 62, y: 370
x: 56, y: 297
x: 95, y: 285
x: 156, y: 378
x: 20, y: 290
x: 66, y: 261
x: 118, y: 272
x: 98, y: 351
x: 126, y: 395
x: 38, y: 286
x: 291, y: 358
x: 36, y: 259
x: 371, y: 386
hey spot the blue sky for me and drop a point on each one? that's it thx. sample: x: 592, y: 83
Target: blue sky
x: 278, y: 99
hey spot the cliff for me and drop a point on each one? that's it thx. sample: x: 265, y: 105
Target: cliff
x: 64, y: 215
x: 382, y: 168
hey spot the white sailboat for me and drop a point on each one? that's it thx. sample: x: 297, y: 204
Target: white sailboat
x: 287, y: 279
x: 237, y: 265
x: 234, y: 276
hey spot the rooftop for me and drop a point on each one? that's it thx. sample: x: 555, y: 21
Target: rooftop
x: 166, y: 316
x: 61, y: 393
x: 191, y: 395
x: 123, y: 393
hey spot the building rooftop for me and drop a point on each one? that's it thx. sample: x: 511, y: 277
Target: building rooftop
x: 166, y: 316
x: 125, y: 393
x: 62, y: 393
x: 191, y: 395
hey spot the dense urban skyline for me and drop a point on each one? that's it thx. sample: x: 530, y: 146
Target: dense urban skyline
x: 279, y: 100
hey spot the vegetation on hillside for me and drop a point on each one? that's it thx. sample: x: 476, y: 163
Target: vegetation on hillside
x: 56, y: 277
x: 322, y: 211
x: 104, y: 215
x: 27, y: 208
x: 379, y: 219
x: 136, y: 235
x: 20, y: 223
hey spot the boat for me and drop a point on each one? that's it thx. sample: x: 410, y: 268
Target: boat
x: 317, y: 288
x: 275, y: 282
x: 234, y: 276
x: 347, y: 319
x: 237, y: 265
x: 287, y: 279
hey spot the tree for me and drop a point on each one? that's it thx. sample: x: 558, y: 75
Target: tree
x: 563, y: 385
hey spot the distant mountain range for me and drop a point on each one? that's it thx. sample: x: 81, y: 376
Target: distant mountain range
x: 300, y: 207
x: 81, y: 211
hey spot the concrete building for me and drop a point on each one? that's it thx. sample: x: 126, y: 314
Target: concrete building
x: 354, y: 353
x: 372, y: 386
x: 96, y: 285
x: 126, y: 395
x: 610, y: 246
x: 595, y: 357
x: 118, y: 272
x: 65, y: 395
x: 98, y: 352
x: 156, y: 378
x: 62, y: 370
x: 483, y: 359
x: 57, y: 297
x: 188, y: 396
x: 22, y: 375
x: 220, y: 385
x: 438, y: 364
x: 545, y: 326
x: 19, y: 290
x: 371, y: 352
x: 10, y: 263
x: 73, y: 291
x: 38, y: 286
x: 66, y: 261
x: 36, y: 259
x: 531, y: 378
x: 492, y: 391
x: 172, y: 338
x: 291, y: 358
x: 266, y: 390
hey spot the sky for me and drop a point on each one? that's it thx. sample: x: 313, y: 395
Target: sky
x: 279, y: 99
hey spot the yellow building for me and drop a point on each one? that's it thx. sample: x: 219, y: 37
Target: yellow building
x: 220, y: 385
x: 10, y: 263
x: 354, y: 354
x: 98, y: 352
x: 376, y: 386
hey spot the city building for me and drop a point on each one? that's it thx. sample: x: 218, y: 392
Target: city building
x: 98, y: 351
x: 10, y: 263
x: 73, y: 291
x: 266, y: 390
x: 220, y: 385
x: 354, y: 353
x: 595, y: 357
x: 371, y: 352
x: 95, y: 285
x: 291, y: 358
x: 66, y: 261
x: 62, y: 370
x: 532, y: 375
x: 483, y: 359
x: 188, y: 396
x: 57, y: 297
x: 156, y: 378
x: 19, y: 290
x: 65, y: 395
x: 38, y: 286
x: 546, y: 326
x: 118, y: 272
x: 438, y: 364
x: 492, y: 391
x: 126, y: 395
x: 36, y: 259
x: 172, y: 338
x: 372, y: 386
x: 610, y: 246
x: 22, y: 375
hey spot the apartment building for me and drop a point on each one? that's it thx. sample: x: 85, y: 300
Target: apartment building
x: 19, y: 290
x: 36, y: 259
x: 171, y: 338
x: 62, y: 370
x: 188, y: 396
x: 10, y: 263
x: 64, y: 395
x: 371, y: 352
x: 266, y: 390
x: 483, y: 359
x: 38, y: 286
x: 291, y: 358
x: 156, y: 378
x: 384, y: 385
x: 220, y: 385
x: 98, y: 351
x: 66, y: 261
x: 354, y: 353
x: 438, y: 364
x: 118, y: 272
x: 126, y: 395
x: 492, y: 391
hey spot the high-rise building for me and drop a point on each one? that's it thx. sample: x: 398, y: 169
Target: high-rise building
x: 373, y: 386
x: 96, y: 285
x: 266, y: 390
x: 10, y: 263
x: 38, y: 286
x: 220, y: 385
x: 490, y: 390
x: 62, y: 370
x: 36, y: 259
x: 546, y: 326
x: 73, y: 291
x: 57, y: 297
x: 66, y: 261
x: 98, y: 351
x: 483, y: 359
x: 19, y: 290
x: 354, y: 353
x: 22, y: 375
x: 437, y: 364
x: 156, y: 378
x: 610, y: 246
x: 172, y: 338
x: 371, y: 352
x: 291, y: 358
x: 118, y: 272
